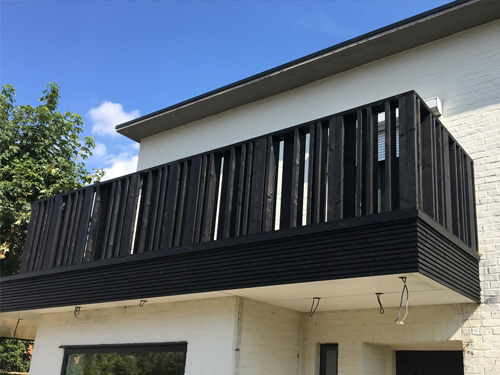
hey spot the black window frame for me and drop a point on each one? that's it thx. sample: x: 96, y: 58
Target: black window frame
x: 177, y: 347
x: 323, y: 348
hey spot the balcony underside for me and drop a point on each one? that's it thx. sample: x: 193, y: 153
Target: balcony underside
x: 344, y: 262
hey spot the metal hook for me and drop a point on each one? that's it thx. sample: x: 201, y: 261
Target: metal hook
x: 143, y: 302
x: 380, y: 303
x: 76, y: 312
x: 313, y: 308
x: 405, y: 289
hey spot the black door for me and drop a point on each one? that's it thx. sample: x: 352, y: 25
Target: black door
x: 429, y: 363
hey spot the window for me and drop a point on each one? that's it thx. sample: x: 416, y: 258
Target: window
x: 328, y: 358
x: 141, y: 359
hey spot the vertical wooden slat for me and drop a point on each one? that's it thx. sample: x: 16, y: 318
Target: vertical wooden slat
x: 94, y: 226
x: 181, y: 204
x: 37, y: 237
x: 62, y: 247
x: 192, y: 202
x: 360, y: 208
x: 447, y: 182
x: 439, y: 175
x: 202, y: 198
x: 159, y: 213
x: 319, y: 174
x: 240, y: 193
x: 454, y: 190
x: 245, y: 224
x: 28, y: 251
x: 471, y: 205
x: 257, y: 192
x: 371, y: 162
x: 292, y: 192
x: 106, y: 207
x: 41, y: 254
x: 391, y: 162
x: 212, y: 191
x: 170, y: 208
x: 81, y: 237
x: 461, y: 198
x: 145, y: 227
x: 427, y: 156
x: 270, y: 185
x: 350, y: 167
x: 227, y: 195
x: 122, y: 212
x: 336, y: 169
x: 407, y: 151
x: 73, y: 227
x: 114, y: 218
x: 129, y: 216
x: 54, y: 228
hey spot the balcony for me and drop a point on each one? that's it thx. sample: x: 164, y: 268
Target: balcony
x: 377, y: 191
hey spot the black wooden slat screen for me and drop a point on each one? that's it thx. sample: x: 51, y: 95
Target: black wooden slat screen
x: 328, y: 170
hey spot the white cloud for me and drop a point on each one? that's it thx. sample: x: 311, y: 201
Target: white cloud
x: 100, y: 150
x: 122, y: 164
x: 108, y: 115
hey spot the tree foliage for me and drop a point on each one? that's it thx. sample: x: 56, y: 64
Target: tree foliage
x: 14, y: 355
x: 41, y: 155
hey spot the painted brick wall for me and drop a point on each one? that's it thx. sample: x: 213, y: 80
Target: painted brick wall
x: 270, y: 339
x: 206, y: 325
x: 367, y: 340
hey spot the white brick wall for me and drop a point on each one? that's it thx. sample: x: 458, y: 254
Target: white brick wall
x: 270, y: 339
x: 206, y: 325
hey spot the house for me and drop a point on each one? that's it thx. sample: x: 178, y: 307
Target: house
x: 338, y: 214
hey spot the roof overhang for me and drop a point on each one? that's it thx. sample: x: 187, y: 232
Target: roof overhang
x: 398, y: 37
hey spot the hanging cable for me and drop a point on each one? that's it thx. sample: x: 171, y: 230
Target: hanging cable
x: 314, y: 306
x: 405, y: 289
x: 380, y: 303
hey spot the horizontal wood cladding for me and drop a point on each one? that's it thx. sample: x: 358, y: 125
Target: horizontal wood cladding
x: 395, y: 242
x: 438, y: 260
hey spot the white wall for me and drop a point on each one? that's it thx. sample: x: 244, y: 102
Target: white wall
x: 208, y: 326
x: 367, y: 340
x: 462, y: 70
x: 270, y: 339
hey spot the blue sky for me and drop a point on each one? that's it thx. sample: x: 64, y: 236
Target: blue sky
x: 117, y: 60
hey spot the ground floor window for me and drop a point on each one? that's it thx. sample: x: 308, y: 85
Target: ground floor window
x: 140, y: 359
x: 328, y: 359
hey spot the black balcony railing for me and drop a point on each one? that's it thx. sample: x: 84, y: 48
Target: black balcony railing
x: 389, y: 155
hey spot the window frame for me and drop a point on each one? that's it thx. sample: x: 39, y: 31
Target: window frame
x: 177, y: 347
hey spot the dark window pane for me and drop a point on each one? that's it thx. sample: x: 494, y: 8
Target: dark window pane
x: 123, y: 361
x: 328, y: 359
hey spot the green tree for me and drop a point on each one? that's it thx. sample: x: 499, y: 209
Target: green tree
x: 41, y: 154
x: 14, y: 355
